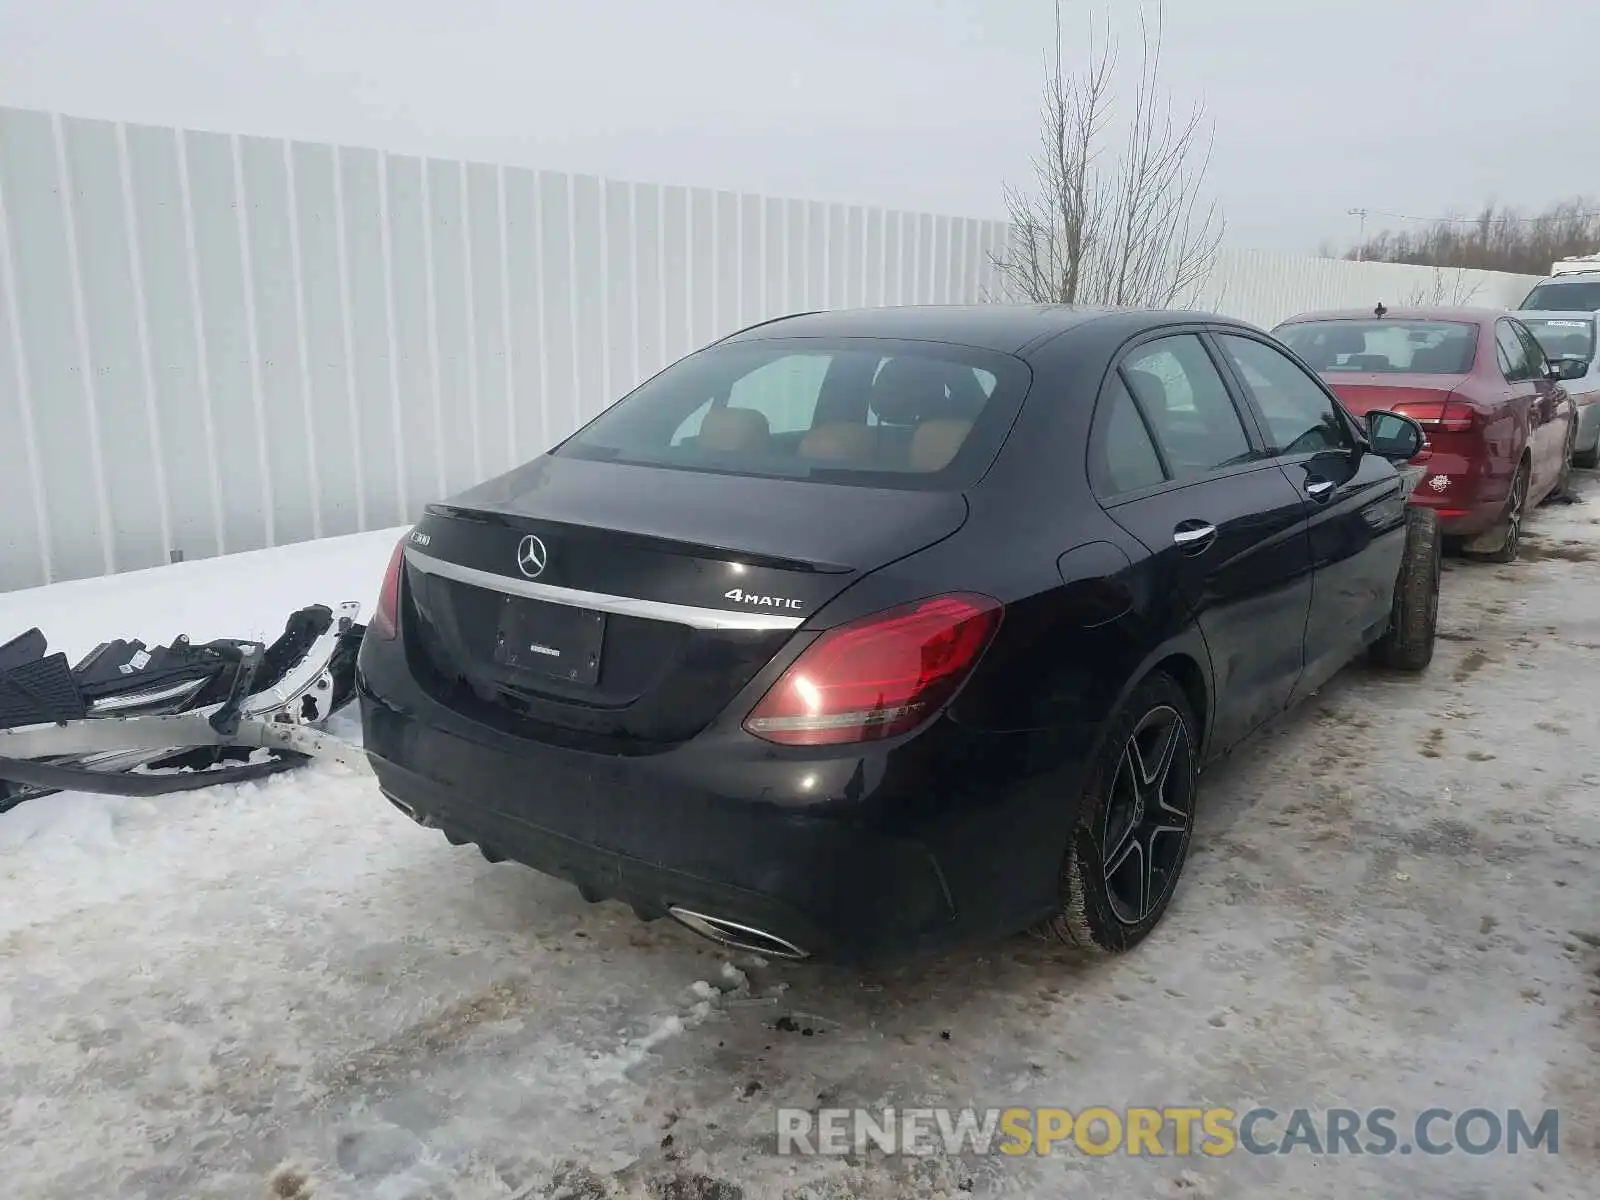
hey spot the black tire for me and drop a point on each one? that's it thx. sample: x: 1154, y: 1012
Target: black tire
x: 1105, y: 912
x: 1414, y: 621
x: 1587, y: 459
x: 1508, y: 530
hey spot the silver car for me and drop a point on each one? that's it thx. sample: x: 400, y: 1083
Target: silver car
x: 1569, y: 338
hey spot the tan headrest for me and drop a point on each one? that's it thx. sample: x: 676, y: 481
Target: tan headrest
x: 839, y: 442
x: 734, y: 429
x: 936, y: 443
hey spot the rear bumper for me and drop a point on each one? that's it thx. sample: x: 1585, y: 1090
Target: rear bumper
x: 1455, y: 488
x: 829, y: 894
x: 1456, y: 521
x: 851, y: 858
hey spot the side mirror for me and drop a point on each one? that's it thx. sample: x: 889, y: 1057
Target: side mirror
x: 1571, y: 368
x: 1393, y: 436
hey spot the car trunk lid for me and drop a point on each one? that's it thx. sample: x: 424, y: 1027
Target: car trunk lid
x: 1448, y: 420
x: 622, y: 607
x: 1395, y: 392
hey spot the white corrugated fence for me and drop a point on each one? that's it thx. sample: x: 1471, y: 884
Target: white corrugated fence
x: 212, y: 342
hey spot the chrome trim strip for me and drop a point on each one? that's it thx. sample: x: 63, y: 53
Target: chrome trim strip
x: 627, y: 606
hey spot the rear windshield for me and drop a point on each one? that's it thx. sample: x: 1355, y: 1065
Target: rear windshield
x: 1397, y: 346
x: 894, y: 414
x: 1563, y: 337
x: 1582, y: 295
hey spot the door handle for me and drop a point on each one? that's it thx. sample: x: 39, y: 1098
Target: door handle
x: 1319, y: 490
x: 1192, y: 535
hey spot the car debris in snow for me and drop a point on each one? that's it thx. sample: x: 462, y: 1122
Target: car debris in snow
x: 132, y: 720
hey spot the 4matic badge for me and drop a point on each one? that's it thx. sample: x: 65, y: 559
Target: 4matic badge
x: 740, y: 596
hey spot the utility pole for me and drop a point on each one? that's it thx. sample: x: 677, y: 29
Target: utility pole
x: 1361, y: 238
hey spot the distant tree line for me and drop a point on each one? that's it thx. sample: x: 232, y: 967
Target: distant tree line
x: 1497, y: 239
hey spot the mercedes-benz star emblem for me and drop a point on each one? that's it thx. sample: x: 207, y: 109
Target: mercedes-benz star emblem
x: 532, y: 556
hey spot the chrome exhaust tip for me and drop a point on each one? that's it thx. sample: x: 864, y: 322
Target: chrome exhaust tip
x: 421, y: 818
x: 736, y: 936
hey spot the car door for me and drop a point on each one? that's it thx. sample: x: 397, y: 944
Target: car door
x: 1354, y: 501
x: 1549, y: 416
x: 1522, y: 410
x: 1225, y: 530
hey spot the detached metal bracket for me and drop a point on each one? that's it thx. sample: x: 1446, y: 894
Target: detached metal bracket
x: 171, y: 733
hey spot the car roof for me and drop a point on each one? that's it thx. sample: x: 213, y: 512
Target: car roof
x: 1441, y: 312
x: 1009, y: 328
x: 1587, y: 273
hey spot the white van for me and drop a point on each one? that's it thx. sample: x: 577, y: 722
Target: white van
x: 1577, y: 265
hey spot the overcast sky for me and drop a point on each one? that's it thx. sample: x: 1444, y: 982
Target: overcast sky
x: 1409, y: 106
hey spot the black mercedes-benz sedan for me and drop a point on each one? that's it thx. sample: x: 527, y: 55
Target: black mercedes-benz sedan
x: 858, y: 634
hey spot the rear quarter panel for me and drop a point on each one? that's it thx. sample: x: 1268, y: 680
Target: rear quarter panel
x: 1080, y: 628
x: 1503, y: 413
x: 1084, y: 623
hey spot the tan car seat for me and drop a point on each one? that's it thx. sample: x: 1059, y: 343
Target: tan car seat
x: 728, y: 429
x: 840, y: 442
x: 936, y: 442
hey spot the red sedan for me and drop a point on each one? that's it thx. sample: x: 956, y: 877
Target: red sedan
x: 1500, y: 426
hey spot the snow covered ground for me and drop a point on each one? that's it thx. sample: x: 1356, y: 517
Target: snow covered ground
x: 286, y: 988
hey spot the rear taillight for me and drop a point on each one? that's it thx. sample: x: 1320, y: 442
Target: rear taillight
x: 1451, y: 416
x: 877, y: 676
x: 385, y: 621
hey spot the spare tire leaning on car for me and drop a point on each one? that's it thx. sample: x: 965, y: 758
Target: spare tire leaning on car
x: 1408, y: 645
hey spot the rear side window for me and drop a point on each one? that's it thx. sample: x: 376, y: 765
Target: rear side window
x: 1125, y: 458
x: 1511, y: 353
x: 1187, y: 405
x: 1538, y: 364
x: 879, y: 413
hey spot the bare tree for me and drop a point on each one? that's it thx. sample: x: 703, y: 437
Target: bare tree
x: 1451, y: 291
x: 1129, y: 231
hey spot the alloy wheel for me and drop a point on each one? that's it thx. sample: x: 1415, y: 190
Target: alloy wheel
x: 1518, y: 500
x: 1148, y: 812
